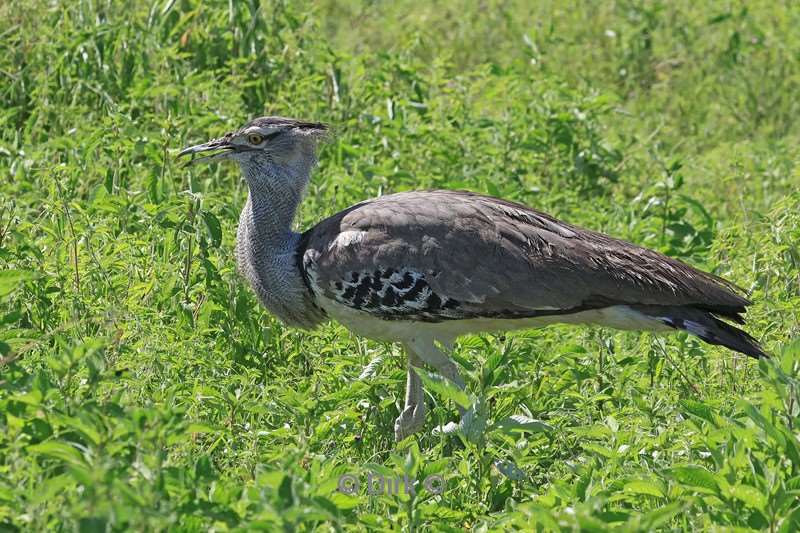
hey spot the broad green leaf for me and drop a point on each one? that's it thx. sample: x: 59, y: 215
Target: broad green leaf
x: 473, y: 423
x: 696, y: 477
x: 793, y: 483
x: 762, y: 422
x: 214, y: 228
x: 272, y: 479
x: 345, y: 502
x: 659, y: 517
x: 644, y: 487
x: 196, y: 427
x: 598, y: 449
x: 444, y: 387
x: 32, y: 397
x: 57, y: 450
x: 597, y: 431
x: 81, y: 426
x: 751, y: 496
x: 519, y: 423
x: 11, y: 317
x: 699, y: 410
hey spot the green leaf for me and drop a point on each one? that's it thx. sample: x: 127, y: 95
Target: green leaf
x: 473, y: 422
x: 644, y: 487
x: 699, y: 409
x: 790, y: 354
x: 444, y: 387
x: 791, y: 523
x: 750, y: 496
x: 597, y: 431
x: 214, y: 228
x: 7, y: 495
x: 272, y: 479
x: 520, y: 423
x: 613, y: 516
x: 786, y: 440
x: 380, y: 469
x: 57, y: 450
x: 696, y: 477
x: 81, y: 426
x: 699, y: 208
x: 11, y: 317
x: 12, y: 279
x: 51, y: 487
x: 345, y: 502
x: 598, y: 449
x: 661, y: 516
x: 199, y: 428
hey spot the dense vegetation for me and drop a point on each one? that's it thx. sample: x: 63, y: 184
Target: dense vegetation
x: 142, y: 386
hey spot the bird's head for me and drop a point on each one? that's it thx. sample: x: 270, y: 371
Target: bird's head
x: 265, y: 148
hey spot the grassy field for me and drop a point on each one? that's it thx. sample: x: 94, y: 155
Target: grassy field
x: 142, y: 386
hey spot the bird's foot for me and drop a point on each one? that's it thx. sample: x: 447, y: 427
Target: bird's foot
x: 410, y: 421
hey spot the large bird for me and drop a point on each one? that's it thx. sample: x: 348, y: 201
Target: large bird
x: 422, y: 268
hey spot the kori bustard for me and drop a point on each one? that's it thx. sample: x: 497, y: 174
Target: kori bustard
x: 422, y: 268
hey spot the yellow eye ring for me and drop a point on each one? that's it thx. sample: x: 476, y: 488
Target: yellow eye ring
x: 255, y: 138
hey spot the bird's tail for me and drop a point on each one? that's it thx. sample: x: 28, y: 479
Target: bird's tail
x: 706, y: 326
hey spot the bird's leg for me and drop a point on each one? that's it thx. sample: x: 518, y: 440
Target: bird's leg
x: 412, y: 418
x: 442, y: 363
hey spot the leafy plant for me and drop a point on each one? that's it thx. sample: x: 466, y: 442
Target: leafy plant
x: 142, y: 387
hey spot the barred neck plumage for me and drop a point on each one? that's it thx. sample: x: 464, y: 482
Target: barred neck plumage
x: 266, y: 246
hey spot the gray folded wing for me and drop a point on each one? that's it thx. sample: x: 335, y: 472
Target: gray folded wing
x: 439, y: 255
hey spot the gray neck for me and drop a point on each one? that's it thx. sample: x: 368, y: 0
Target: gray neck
x: 266, y: 246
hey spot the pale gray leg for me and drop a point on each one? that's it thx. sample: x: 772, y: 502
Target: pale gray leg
x: 412, y: 419
x: 440, y: 361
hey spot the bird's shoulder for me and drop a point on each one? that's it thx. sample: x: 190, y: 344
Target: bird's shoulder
x: 414, y: 214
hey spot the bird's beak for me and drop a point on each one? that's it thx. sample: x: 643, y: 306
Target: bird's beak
x: 222, y: 146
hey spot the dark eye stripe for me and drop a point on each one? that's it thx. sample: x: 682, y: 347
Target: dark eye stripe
x: 272, y: 135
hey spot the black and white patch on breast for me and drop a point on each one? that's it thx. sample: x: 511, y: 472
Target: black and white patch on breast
x: 394, y: 294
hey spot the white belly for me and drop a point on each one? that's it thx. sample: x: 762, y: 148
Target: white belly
x: 372, y: 327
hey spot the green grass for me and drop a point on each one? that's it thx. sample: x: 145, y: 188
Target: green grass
x: 142, y: 387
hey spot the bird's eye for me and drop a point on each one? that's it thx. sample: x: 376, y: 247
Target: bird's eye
x: 255, y: 138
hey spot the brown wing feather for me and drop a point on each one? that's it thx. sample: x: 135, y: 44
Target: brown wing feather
x: 497, y: 256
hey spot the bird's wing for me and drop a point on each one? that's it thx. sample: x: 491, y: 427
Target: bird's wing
x: 438, y: 255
